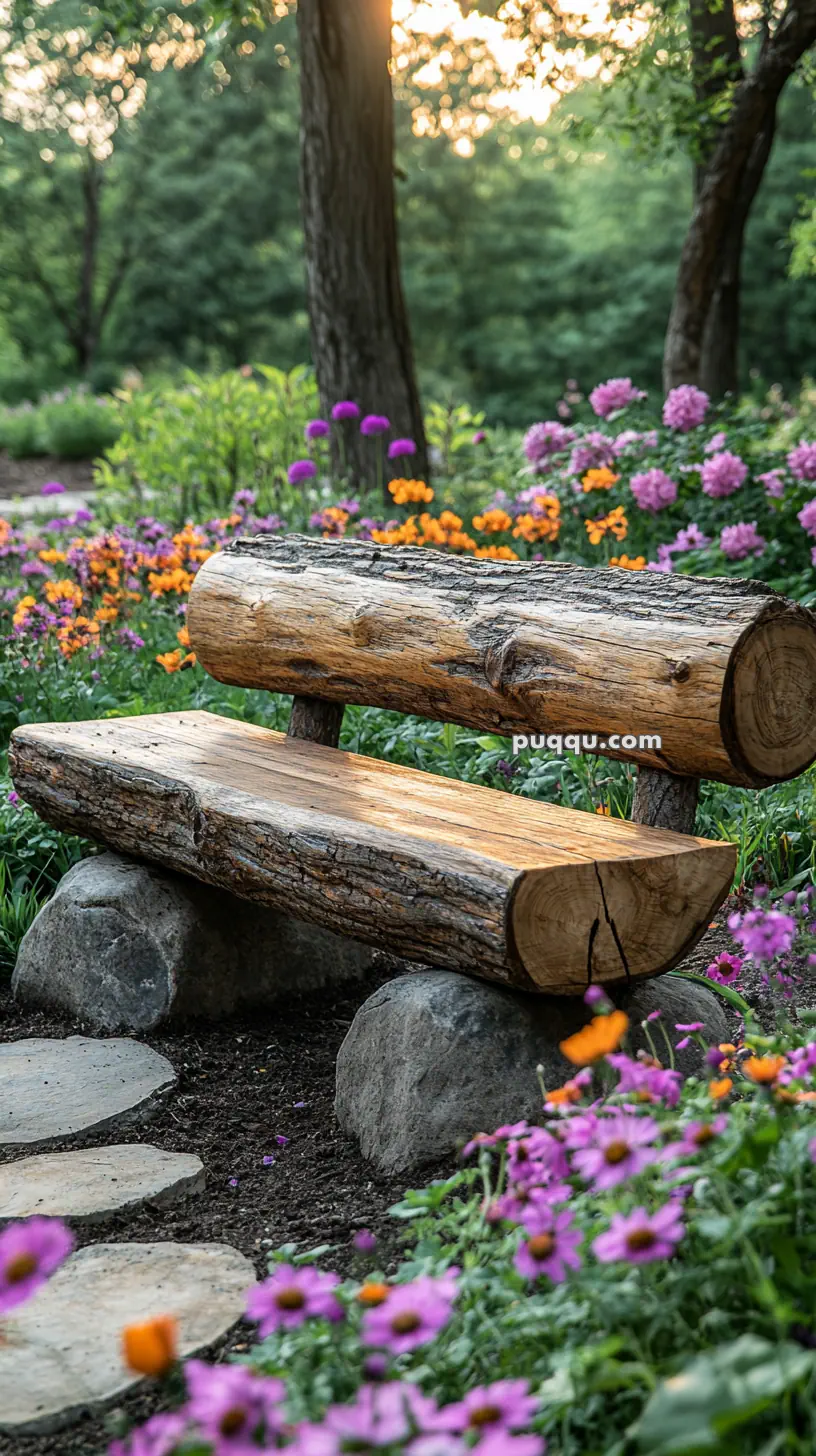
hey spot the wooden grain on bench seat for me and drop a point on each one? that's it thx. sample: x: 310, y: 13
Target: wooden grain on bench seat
x: 465, y: 877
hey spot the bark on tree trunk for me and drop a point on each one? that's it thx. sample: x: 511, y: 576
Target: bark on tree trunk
x: 360, y: 334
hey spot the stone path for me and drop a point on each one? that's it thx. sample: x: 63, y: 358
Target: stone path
x: 88, y: 1185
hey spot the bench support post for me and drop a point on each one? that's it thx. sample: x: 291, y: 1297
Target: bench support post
x: 317, y: 720
x: 665, y: 801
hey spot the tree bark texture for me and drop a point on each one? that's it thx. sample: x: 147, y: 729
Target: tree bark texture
x: 361, y: 339
x: 316, y: 720
x: 665, y: 801
x: 724, y: 671
x: 459, y: 876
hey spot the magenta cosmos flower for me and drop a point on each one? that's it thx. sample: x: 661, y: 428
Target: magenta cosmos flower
x: 317, y: 430
x: 694, y: 1137
x: 802, y: 460
x: 506, y: 1405
x: 375, y: 425
x: 616, y: 1148
x: 301, y: 470
x: 549, y: 1246
x: 614, y: 395
x: 382, y: 1415
x: 346, y: 409
x: 741, y: 540
x: 411, y: 1315
x: 640, y: 1237
x: 29, y: 1252
x: 398, y: 448
x: 160, y: 1436
x: 725, y: 968
x: 653, y: 490
x: 231, y: 1406
x: 685, y: 407
x: 723, y: 474
x: 290, y: 1296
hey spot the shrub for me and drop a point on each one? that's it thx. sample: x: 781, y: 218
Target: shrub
x: 72, y: 423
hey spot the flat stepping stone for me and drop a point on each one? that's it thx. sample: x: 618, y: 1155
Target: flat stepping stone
x: 89, y: 1184
x: 50, y: 1089
x: 60, y: 1353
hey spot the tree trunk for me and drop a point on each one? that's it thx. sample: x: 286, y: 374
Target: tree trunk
x: 360, y: 334
x: 86, y: 331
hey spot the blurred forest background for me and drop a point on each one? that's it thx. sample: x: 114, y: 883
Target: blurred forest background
x: 549, y: 253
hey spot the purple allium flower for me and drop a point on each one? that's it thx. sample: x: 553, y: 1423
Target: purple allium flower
x: 398, y: 448
x: 723, y: 474
x: 231, y: 1405
x: 802, y: 460
x: 268, y: 1160
x: 317, y: 430
x: 685, y: 407
x: 364, y: 1241
x: 479, y: 438
x: 346, y: 409
x: 412, y: 1314
x: 550, y: 1245
x: 806, y: 517
x: 616, y: 1148
x: 546, y: 439
x: 741, y: 540
x: 375, y: 425
x: 81, y: 517
x: 614, y: 395
x: 641, y: 1237
x: 301, y: 470
x: 29, y: 1252
x: 52, y: 487
x: 773, y: 483
x: 159, y: 1436
x: 506, y: 1405
x: 653, y: 490
x: 649, y: 1083
x: 244, y: 500
x: 763, y: 934
x: 289, y: 1296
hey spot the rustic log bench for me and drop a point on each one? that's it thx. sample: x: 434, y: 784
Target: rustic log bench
x: 454, y: 875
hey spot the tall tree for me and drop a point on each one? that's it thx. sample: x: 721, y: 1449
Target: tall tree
x: 361, y: 340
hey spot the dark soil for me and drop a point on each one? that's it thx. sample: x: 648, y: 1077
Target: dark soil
x: 25, y: 477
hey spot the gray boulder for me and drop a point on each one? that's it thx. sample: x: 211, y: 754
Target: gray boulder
x: 123, y: 944
x: 434, y: 1057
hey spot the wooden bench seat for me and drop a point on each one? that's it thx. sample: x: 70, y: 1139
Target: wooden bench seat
x: 469, y: 878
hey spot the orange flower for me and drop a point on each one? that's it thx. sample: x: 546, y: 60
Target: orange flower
x: 570, y: 1092
x: 603, y: 809
x: 602, y: 1035
x: 405, y: 491
x: 602, y: 479
x: 720, y: 1089
x: 629, y: 563
x: 170, y: 661
x: 763, y: 1069
x: 372, y: 1293
x: 449, y: 521
x: 496, y: 553
x: 493, y: 520
x: 151, y: 1348
x: 183, y: 636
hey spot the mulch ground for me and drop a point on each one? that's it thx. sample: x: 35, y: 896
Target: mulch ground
x: 25, y: 477
x: 241, y: 1084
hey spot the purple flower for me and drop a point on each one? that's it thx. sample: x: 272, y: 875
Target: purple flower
x: 346, y: 409
x: 501, y: 1443
x: 763, y: 934
x: 351, y: 507
x: 364, y: 1241
x: 13, y: 798
x: 741, y: 540
x: 723, y: 474
x: 375, y: 425
x: 281, y: 1141
x: 614, y: 395
x: 812, y: 1150
x: 806, y: 517
x: 615, y: 1148
x: 640, y: 1237
x: 546, y: 439
x: 412, y: 1314
x: 231, y: 1406
x: 694, y: 1137
x: 690, y: 538
x: 130, y: 639
x: 81, y: 517
x: 550, y: 1245
x: 291, y: 1296
x: 648, y: 1083
x: 29, y: 1252
x: 160, y: 1436
x: 244, y: 500
x: 381, y: 1415
x: 317, y: 430
x: 724, y: 969
x: 506, y: 1405
x: 398, y: 448
x: 52, y: 487
x: 715, y: 443
x: 596, y: 996
x: 653, y: 490
x: 479, y: 438
x: 773, y: 482
x: 802, y: 460
x: 301, y: 470
x: 593, y: 452
x: 685, y: 407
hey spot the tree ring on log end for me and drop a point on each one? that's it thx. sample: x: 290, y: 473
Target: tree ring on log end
x: 768, y: 717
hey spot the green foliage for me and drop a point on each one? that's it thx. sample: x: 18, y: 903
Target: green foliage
x: 72, y: 423
x: 33, y: 859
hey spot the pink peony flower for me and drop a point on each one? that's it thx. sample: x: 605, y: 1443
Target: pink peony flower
x: 549, y: 1247
x: 613, y: 1149
x: 592, y: 452
x: 723, y: 474
x: 773, y: 483
x: 614, y: 395
x: 741, y: 540
x: 29, y: 1252
x: 802, y: 460
x: 685, y: 408
x: 231, y: 1405
x: 292, y: 1295
x: 546, y: 439
x: 411, y: 1315
x: 640, y: 1237
x: 807, y: 517
x: 653, y: 490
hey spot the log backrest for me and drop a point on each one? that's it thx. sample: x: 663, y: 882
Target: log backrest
x: 722, y: 671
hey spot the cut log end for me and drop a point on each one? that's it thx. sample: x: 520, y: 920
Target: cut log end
x: 769, y: 707
x: 617, y: 920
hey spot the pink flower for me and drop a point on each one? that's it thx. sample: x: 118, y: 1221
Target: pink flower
x: 535, y: 1157
x: 620, y: 1148
x: 592, y: 452
x: 382, y: 1415
x: 802, y: 460
x: 773, y: 483
x: 160, y: 1436
x: 315, y: 430
x: 695, y: 1136
x: 723, y: 474
x: 741, y: 540
x: 807, y: 517
x: 231, y: 1406
x: 715, y: 443
x: 614, y: 395
x: 375, y: 425
x: 398, y: 448
x: 653, y: 490
x: 501, y: 1443
x: 364, y: 1241
x: 550, y: 1245
x: 490, y: 1139
x: 506, y: 1405
x: 690, y: 538
x: 685, y: 408
x: 812, y: 1150
x: 346, y: 409
x: 520, y: 1198
x: 411, y: 1315
x: 437, y: 1443
x: 546, y: 439
x: 648, y: 1082
x: 640, y: 1237
x: 725, y: 968
x: 763, y: 934
x: 29, y: 1252
x: 292, y: 1295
